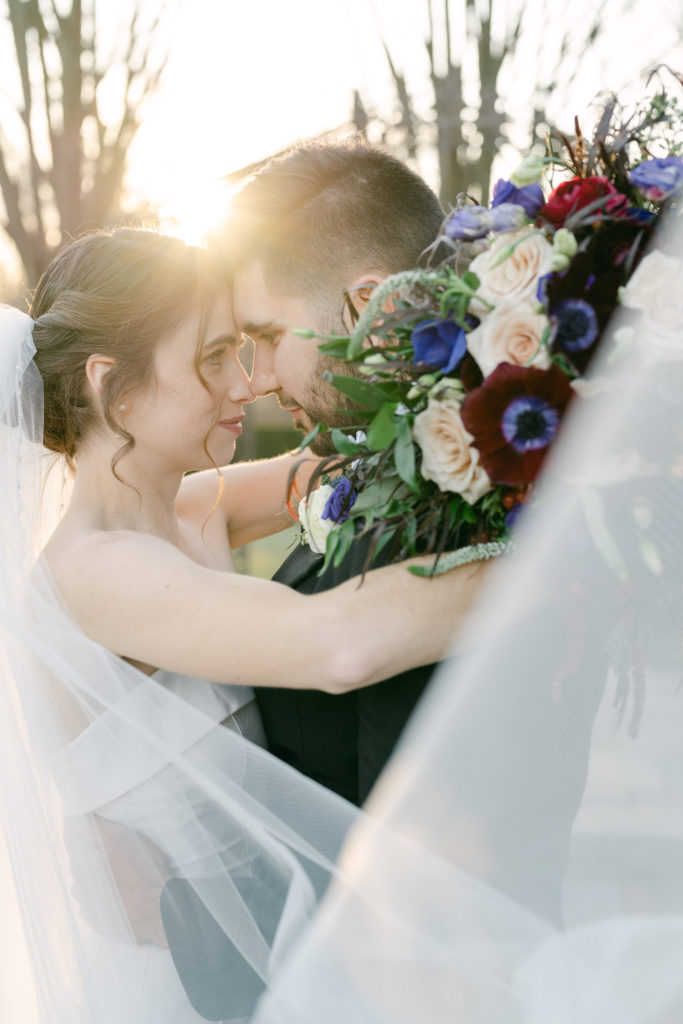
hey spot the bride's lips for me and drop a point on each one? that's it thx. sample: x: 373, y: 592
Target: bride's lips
x: 234, y: 425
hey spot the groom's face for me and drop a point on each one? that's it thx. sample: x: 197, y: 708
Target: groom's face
x: 285, y: 365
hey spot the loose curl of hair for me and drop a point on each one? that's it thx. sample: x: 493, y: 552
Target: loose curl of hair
x: 118, y: 294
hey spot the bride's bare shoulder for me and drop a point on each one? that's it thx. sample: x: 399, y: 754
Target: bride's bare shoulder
x: 76, y: 555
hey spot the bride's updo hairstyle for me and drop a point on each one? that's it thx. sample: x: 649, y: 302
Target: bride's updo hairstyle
x: 115, y: 294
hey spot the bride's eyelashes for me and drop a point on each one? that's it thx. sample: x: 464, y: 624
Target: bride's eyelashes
x: 215, y: 358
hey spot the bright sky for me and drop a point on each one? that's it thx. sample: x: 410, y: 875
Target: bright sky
x: 249, y: 77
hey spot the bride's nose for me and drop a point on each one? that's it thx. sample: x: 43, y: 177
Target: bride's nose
x: 240, y: 390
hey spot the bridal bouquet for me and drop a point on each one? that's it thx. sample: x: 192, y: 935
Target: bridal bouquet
x: 459, y: 382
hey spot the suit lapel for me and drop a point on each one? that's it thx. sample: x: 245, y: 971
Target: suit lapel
x: 298, y: 566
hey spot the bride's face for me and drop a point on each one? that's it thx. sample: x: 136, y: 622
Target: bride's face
x: 173, y: 418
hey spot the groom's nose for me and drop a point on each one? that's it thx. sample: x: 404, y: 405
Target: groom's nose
x: 263, y: 378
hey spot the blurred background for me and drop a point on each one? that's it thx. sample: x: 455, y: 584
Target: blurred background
x: 156, y: 111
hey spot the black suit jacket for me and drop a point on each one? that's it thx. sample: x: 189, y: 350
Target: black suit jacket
x: 340, y: 741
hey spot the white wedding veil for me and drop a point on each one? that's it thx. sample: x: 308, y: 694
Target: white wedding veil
x: 129, y: 818
x: 519, y: 860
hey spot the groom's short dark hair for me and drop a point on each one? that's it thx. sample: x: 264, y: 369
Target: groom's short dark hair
x: 329, y: 210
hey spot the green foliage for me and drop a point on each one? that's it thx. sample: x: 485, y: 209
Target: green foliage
x: 382, y: 429
x: 405, y: 454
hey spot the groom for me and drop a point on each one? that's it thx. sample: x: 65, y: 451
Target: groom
x: 314, y: 232
x: 325, y: 223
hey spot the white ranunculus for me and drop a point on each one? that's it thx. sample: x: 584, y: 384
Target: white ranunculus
x: 511, y: 333
x: 655, y: 289
x: 311, y: 509
x: 448, y: 457
x: 514, y: 276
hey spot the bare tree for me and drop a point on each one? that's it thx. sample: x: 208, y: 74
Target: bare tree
x: 468, y: 48
x: 62, y: 157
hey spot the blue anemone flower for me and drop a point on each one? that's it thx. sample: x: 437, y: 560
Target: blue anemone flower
x: 529, y: 423
x: 439, y: 343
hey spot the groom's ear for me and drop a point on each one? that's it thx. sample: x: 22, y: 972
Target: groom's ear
x: 361, y: 290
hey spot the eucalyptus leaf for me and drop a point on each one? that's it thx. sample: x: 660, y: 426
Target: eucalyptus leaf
x: 343, y: 443
x: 404, y: 454
x: 310, y: 436
x: 330, y: 550
x: 337, y: 349
x: 468, y: 513
x: 382, y: 430
x: 410, y: 531
x: 384, y: 539
x: 376, y: 495
x: 347, y: 533
x: 367, y: 395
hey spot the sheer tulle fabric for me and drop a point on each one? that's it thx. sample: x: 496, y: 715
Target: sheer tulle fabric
x: 519, y: 860
x: 117, y: 788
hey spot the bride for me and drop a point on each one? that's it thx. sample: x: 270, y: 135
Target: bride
x: 116, y: 789
x: 137, y: 350
x: 130, y: 640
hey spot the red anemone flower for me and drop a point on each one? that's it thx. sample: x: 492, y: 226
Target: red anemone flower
x: 514, y: 417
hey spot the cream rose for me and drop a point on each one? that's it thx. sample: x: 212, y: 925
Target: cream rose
x: 655, y: 289
x: 310, y: 512
x: 511, y: 333
x: 516, y: 275
x: 448, y: 457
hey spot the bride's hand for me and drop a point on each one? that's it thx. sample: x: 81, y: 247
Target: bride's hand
x: 253, y: 501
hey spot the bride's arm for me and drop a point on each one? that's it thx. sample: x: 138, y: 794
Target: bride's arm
x: 143, y: 599
x: 253, y: 502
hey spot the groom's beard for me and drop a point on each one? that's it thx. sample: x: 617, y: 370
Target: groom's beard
x: 326, y: 405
